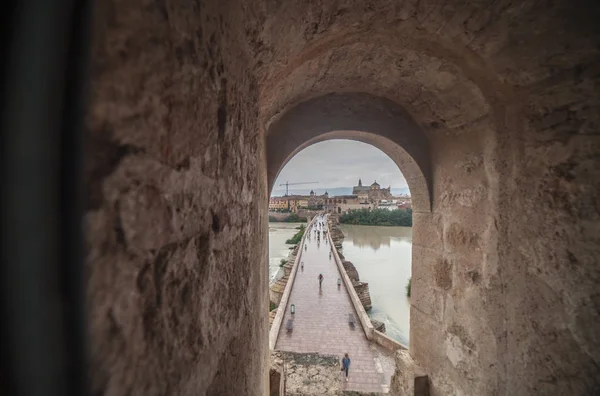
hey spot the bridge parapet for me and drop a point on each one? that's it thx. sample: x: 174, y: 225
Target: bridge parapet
x: 363, y: 318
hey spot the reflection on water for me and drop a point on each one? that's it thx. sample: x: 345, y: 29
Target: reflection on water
x: 278, y: 234
x: 375, y: 237
x: 382, y: 256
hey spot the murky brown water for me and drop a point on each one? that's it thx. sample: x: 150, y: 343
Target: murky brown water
x: 278, y: 234
x: 382, y: 256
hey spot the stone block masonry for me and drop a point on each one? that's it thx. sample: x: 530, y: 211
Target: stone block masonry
x: 361, y: 288
x: 489, y: 108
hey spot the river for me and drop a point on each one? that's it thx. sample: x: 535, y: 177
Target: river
x: 382, y: 256
x: 278, y: 234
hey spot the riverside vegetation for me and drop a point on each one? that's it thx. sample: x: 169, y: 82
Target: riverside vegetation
x: 378, y: 217
x: 297, y: 237
x: 292, y: 218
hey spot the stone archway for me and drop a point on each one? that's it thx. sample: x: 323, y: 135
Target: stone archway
x: 355, y: 116
x: 370, y: 119
x: 184, y: 97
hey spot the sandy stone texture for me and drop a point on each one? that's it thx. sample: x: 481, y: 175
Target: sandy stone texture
x: 489, y: 108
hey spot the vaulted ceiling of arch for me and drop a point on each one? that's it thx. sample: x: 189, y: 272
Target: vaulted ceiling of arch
x: 448, y: 62
x: 432, y: 90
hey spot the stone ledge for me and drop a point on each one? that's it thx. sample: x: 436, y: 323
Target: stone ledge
x: 358, y: 307
x: 409, y: 378
x: 387, y: 342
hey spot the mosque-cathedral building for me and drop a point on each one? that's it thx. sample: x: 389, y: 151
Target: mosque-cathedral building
x: 373, y: 193
x: 361, y: 197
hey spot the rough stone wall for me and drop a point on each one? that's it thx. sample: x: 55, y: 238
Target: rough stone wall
x: 276, y: 374
x: 506, y: 93
x: 311, y: 374
x: 552, y: 232
x: 409, y: 379
x: 176, y: 204
x: 362, y: 290
x: 351, y: 270
x: 505, y: 269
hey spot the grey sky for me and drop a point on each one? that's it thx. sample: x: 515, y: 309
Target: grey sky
x: 339, y: 163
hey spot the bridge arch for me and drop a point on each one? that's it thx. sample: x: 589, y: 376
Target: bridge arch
x: 363, y: 117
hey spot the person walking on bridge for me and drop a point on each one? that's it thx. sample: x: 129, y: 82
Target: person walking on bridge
x: 346, y: 365
x: 320, y: 280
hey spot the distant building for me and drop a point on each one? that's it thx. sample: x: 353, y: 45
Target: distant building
x: 317, y: 201
x: 278, y: 203
x: 290, y: 202
x: 362, y: 197
x: 362, y: 192
x: 344, y: 203
x: 404, y: 203
x: 373, y: 193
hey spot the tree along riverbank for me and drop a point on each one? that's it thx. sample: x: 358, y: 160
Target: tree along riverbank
x: 378, y: 217
x: 292, y: 218
x: 297, y: 237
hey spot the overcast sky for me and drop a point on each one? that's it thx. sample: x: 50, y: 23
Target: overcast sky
x: 339, y: 163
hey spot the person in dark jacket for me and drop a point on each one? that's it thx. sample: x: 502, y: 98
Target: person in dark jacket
x: 346, y: 365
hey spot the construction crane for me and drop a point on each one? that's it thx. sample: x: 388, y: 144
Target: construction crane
x: 286, y: 184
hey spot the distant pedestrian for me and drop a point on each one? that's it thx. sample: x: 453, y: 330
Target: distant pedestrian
x: 302, y: 265
x: 329, y: 255
x: 346, y: 365
x: 320, y: 280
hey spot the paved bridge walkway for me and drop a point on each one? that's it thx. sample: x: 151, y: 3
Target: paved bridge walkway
x: 321, y: 320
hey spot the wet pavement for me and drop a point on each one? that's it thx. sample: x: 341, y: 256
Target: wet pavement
x: 321, y: 322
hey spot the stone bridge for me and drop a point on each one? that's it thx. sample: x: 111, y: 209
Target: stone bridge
x: 147, y: 209
x: 320, y: 321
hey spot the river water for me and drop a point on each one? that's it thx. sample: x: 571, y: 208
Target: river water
x: 278, y: 234
x: 382, y: 256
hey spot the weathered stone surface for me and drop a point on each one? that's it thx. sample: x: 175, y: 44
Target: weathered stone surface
x: 377, y: 325
x: 272, y: 317
x: 311, y: 374
x: 351, y: 271
x: 409, y: 379
x: 276, y: 374
x: 488, y: 108
x: 176, y: 221
x: 362, y: 290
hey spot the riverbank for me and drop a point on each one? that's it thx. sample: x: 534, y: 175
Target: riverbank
x: 279, y: 233
x: 275, y: 217
x: 279, y: 282
x: 297, y: 236
x: 378, y: 217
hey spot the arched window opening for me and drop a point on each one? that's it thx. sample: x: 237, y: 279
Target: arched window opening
x: 379, y: 231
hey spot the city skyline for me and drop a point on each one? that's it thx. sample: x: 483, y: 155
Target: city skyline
x: 339, y: 164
